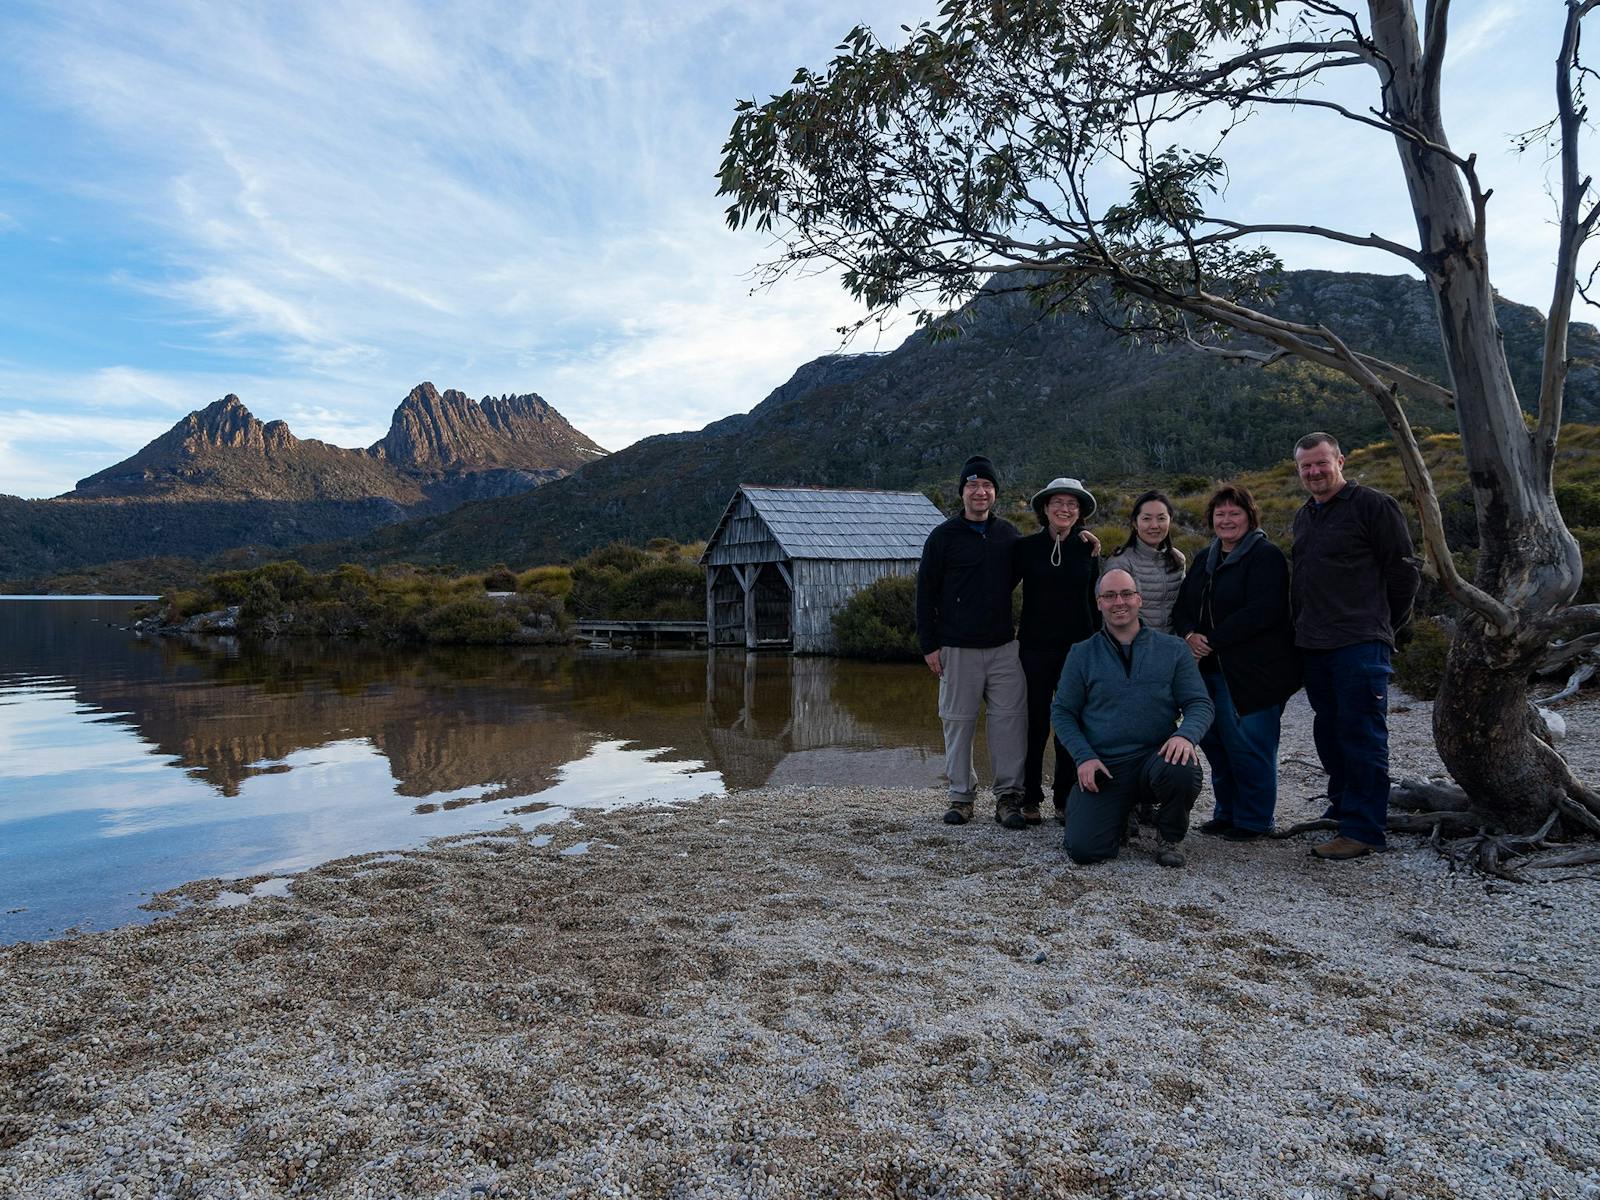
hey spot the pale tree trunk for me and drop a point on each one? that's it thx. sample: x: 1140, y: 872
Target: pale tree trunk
x: 1527, y: 559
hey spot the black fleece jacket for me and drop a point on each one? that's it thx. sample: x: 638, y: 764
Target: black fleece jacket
x: 1058, y: 608
x: 964, y: 585
x: 1241, y: 604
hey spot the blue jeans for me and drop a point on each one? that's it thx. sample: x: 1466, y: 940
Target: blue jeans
x: 1349, y: 693
x: 1243, y: 753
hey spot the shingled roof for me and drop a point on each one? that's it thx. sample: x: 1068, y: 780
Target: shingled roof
x: 839, y: 523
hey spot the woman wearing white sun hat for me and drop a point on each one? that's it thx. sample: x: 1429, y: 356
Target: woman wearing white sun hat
x: 1058, y: 567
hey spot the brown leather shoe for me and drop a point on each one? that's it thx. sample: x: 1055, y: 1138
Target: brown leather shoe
x: 1341, y: 848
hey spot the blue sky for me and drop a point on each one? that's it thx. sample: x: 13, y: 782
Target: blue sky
x: 317, y: 206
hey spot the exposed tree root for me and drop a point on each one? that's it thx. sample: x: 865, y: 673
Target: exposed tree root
x: 1492, y: 853
x: 1458, y: 836
x: 1578, y: 813
x: 1300, y: 827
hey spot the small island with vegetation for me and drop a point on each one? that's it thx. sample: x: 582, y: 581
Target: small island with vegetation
x: 428, y: 605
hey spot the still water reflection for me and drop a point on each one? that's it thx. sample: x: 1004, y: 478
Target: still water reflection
x: 129, y: 766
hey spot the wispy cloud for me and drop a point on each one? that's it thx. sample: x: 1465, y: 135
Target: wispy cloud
x: 492, y: 196
x: 322, y: 205
x: 1487, y: 29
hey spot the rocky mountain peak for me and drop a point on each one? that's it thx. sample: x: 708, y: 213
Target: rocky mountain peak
x: 186, y: 452
x: 434, y: 430
x: 227, y: 423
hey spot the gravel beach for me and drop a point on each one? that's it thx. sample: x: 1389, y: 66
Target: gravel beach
x: 809, y: 992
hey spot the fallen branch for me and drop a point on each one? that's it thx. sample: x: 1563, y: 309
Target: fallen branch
x: 1423, y: 795
x: 1581, y: 675
x: 1300, y: 827
x: 1573, y: 858
x: 1562, y: 653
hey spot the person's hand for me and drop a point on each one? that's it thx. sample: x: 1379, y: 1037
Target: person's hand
x: 1087, y: 772
x: 933, y: 662
x: 1179, y: 751
x: 1094, y: 542
x: 1198, y: 645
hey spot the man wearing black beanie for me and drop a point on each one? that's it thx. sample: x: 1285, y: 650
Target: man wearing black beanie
x: 967, y: 638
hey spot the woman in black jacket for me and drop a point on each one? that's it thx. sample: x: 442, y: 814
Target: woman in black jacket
x: 1233, y: 610
x: 1058, y: 567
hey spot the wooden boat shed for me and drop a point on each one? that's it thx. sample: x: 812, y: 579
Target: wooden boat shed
x: 783, y: 560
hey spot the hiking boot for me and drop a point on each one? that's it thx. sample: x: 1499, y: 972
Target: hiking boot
x: 1341, y: 848
x: 1168, y: 855
x: 1216, y: 827
x: 959, y: 812
x: 1236, y: 834
x: 1008, y: 811
x: 1030, y: 812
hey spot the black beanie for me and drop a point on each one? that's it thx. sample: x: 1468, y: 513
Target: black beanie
x: 977, y: 467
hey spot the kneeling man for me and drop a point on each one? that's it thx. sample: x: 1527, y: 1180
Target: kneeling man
x: 1118, y: 708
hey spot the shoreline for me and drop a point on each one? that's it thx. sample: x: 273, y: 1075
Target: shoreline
x: 798, y: 992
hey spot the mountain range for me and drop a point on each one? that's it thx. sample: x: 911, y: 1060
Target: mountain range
x: 1042, y: 394
x: 220, y: 479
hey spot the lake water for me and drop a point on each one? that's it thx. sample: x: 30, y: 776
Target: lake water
x: 131, y: 765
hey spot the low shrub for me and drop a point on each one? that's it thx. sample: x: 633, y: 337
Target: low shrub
x: 1419, y: 665
x: 880, y: 621
x: 499, y: 578
x: 475, y: 620
x: 1579, y: 503
x: 619, y: 556
x: 555, y: 582
x: 625, y: 583
x: 668, y: 591
x: 1589, y: 547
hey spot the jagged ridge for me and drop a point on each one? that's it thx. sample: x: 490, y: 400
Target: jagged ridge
x: 220, y: 479
x: 434, y: 431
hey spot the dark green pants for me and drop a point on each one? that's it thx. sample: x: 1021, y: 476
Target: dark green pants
x: 1096, y: 820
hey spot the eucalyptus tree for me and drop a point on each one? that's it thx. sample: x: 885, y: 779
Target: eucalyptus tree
x: 979, y: 149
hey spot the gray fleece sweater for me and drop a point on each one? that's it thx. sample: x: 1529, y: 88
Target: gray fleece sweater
x: 1116, y: 703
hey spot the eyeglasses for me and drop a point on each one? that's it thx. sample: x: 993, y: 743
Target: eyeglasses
x: 1123, y: 596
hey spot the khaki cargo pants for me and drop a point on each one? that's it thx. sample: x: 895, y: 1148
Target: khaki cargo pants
x: 972, y: 678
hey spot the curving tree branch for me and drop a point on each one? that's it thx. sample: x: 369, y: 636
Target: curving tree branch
x: 1238, y: 229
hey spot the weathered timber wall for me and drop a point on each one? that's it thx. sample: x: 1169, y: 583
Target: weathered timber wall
x: 821, y: 588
